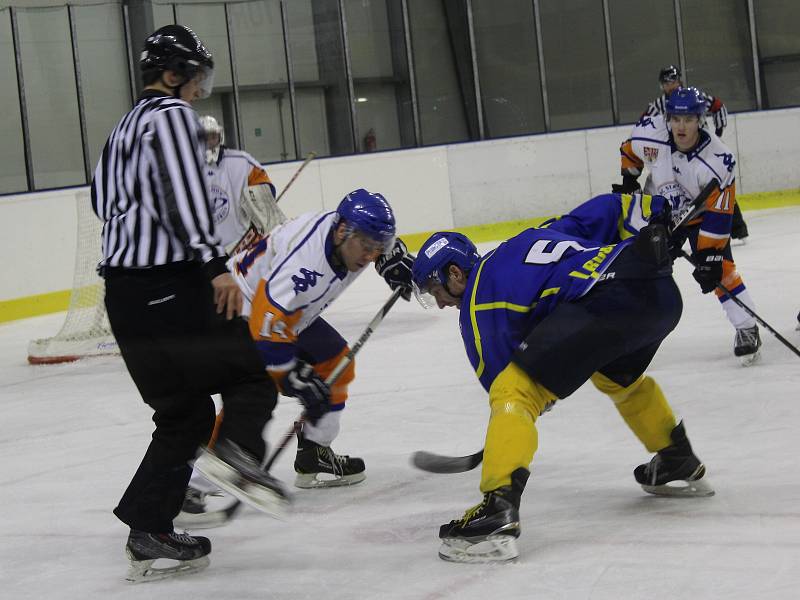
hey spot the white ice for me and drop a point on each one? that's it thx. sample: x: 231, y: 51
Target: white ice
x: 72, y: 436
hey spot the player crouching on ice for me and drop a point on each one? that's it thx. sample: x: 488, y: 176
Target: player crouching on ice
x: 540, y: 315
x: 287, y: 279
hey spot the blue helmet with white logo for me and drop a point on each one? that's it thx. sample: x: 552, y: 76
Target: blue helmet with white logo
x: 442, y: 249
x: 686, y: 101
x: 369, y: 214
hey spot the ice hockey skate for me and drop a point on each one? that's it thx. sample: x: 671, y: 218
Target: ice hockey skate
x: 487, y: 532
x: 675, y: 470
x: 747, y: 344
x: 202, y: 510
x: 319, y: 466
x: 237, y: 472
x: 144, y: 549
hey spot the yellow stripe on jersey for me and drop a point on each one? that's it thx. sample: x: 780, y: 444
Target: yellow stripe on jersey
x: 473, y: 317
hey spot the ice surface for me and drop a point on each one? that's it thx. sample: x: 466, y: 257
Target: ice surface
x: 72, y: 436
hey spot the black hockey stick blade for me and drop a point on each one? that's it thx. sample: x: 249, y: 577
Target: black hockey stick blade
x: 696, y: 207
x: 437, y: 463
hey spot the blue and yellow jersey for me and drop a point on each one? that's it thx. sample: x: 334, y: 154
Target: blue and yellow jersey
x: 518, y: 284
x: 610, y: 218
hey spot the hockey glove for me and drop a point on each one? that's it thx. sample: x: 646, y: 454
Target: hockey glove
x: 628, y: 186
x: 303, y: 383
x: 395, y: 268
x: 707, y: 268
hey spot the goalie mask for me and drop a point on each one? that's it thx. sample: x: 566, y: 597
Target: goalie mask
x: 439, y: 251
x: 214, y: 136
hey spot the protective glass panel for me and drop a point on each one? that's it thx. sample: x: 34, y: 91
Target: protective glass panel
x: 576, y: 64
x: 257, y: 39
x: 508, y: 65
x: 777, y: 24
x: 381, y: 83
x: 441, y: 103
x: 720, y: 64
x: 51, y: 97
x: 645, y: 40
x: 324, y: 115
x: 12, y: 155
x: 105, y: 80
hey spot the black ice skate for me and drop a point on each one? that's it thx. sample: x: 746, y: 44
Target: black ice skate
x: 747, y: 344
x: 197, y: 514
x: 319, y: 466
x: 143, y: 549
x: 237, y: 472
x: 675, y: 470
x: 488, y: 531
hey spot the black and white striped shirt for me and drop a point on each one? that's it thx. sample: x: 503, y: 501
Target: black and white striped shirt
x: 150, y: 191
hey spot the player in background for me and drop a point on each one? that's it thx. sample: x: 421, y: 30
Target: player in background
x: 241, y: 191
x: 539, y: 316
x: 682, y: 158
x: 669, y: 78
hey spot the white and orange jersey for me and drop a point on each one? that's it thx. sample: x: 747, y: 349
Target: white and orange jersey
x: 681, y: 176
x: 288, y: 278
x: 228, y: 179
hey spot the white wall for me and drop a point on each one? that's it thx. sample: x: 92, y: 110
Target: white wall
x: 430, y: 188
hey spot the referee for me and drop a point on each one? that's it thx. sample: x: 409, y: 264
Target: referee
x: 172, y: 304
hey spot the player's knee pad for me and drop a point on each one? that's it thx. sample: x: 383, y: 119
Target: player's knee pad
x: 513, y: 390
x: 511, y: 438
x: 644, y: 408
x: 339, y: 389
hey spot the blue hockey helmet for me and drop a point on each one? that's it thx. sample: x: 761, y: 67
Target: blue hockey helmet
x: 369, y: 214
x: 442, y: 249
x: 686, y: 101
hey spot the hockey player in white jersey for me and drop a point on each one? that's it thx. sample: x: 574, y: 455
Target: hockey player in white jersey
x: 682, y: 158
x: 669, y: 79
x: 242, y: 192
x: 288, y: 279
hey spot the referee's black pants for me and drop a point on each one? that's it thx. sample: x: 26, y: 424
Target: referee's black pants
x: 179, y: 352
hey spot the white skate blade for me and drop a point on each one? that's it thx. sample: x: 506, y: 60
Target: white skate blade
x: 495, y: 548
x: 749, y: 360
x: 681, y: 489
x: 739, y: 241
x: 230, y: 480
x: 208, y: 519
x: 142, y: 571
x: 309, y: 481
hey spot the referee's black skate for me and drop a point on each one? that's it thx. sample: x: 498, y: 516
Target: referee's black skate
x: 488, y: 531
x: 319, y: 466
x: 675, y: 470
x: 143, y: 549
x: 237, y: 472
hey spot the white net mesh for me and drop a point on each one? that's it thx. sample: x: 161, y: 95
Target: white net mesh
x: 86, y: 331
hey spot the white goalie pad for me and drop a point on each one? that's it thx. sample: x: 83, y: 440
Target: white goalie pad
x: 259, y: 208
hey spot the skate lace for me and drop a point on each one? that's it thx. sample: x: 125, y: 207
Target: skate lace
x: 183, y: 538
x: 471, y: 512
x: 337, y: 461
x: 747, y: 337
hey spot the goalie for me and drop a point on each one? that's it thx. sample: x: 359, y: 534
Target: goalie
x: 243, y: 196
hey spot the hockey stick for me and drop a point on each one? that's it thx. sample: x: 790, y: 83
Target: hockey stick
x: 749, y: 311
x: 439, y: 463
x: 308, y: 159
x: 337, y: 371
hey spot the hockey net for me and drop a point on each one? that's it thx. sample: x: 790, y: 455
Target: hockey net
x: 85, y: 331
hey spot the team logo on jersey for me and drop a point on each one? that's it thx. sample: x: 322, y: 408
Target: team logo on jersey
x: 650, y: 154
x: 727, y: 160
x: 308, y: 280
x: 221, y: 204
x: 646, y: 122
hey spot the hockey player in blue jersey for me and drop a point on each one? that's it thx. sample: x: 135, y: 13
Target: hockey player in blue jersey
x: 540, y: 315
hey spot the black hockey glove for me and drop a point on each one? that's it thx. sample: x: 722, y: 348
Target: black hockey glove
x: 303, y: 383
x: 628, y: 186
x: 395, y: 268
x: 707, y: 268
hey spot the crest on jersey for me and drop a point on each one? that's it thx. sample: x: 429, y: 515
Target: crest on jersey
x: 221, y: 204
x: 650, y: 154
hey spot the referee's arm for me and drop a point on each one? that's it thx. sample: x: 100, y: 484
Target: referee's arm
x: 180, y: 167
